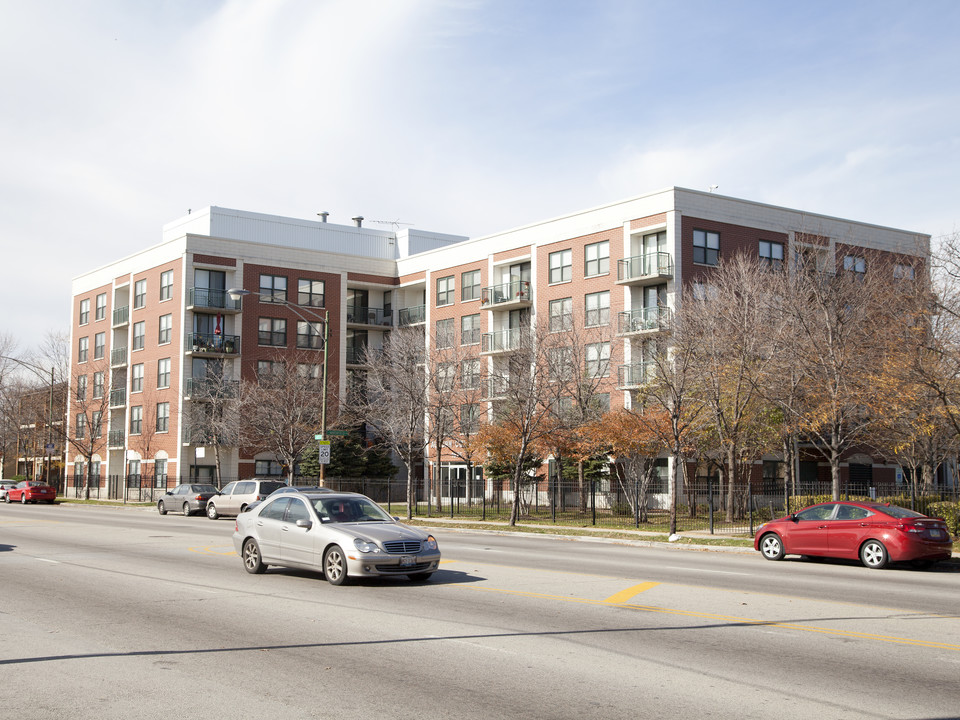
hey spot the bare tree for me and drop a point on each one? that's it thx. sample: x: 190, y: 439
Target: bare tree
x: 89, y: 405
x: 395, y: 404
x: 281, y: 410
x: 214, y: 413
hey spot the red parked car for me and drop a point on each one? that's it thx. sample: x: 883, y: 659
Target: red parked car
x: 31, y: 491
x: 874, y: 533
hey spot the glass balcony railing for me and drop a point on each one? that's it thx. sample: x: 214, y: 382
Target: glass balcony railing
x: 651, y: 265
x: 635, y: 374
x: 502, y: 341
x: 412, y: 315
x: 115, y: 438
x: 515, y: 291
x: 118, y: 397
x: 213, y: 343
x: 209, y: 298
x: 369, y: 316
x: 655, y: 319
x: 118, y: 356
x: 121, y: 315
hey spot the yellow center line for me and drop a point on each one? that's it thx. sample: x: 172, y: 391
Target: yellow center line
x: 624, y: 595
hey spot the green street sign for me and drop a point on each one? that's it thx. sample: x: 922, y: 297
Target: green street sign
x: 338, y: 433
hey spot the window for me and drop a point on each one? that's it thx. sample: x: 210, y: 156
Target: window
x: 470, y: 330
x: 598, y: 359
x: 99, y: 345
x: 166, y: 328
x: 272, y: 331
x: 163, y: 373
x: 470, y: 289
x: 445, y: 290
x: 139, y: 293
x: 601, y: 403
x: 559, y: 363
x: 273, y: 288
x: 446, y: 374
x: 139, y: 335
x: 561, y: 266
x: 854, y: 264
x: 771, y: 254
x: 706, y: 247
x: 82, y: 387
x: 136, y: 420
x: 445, y: 333
x: 267, y: 368
x: 703, y: 292
x: 597, y: 259
x: 81, y: 426
x: 469, y: 418
x: 160, y: 472
x: 309, y: 335
x: 96, y: 431
x: 598, y: 309
x: 166, y: 285
x: 310, y: 292
x: 101, y: 306
x: 270, y: 468
x: 136, y: 378
x: 163, y: 417
x: 310, y: 371
x: 83, y: 349
x: 84, y: 311
x: 561, y: 314
x: 470, y: 374
x: 98, y: 385
x: 903, y: 272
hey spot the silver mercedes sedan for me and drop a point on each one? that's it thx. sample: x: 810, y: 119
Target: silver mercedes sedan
x: 342, y: 535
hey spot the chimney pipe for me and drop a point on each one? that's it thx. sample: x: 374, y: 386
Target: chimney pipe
x: 358, y: 220
x: 323, y: 215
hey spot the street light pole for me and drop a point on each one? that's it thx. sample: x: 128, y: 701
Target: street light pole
x: 237, y: 293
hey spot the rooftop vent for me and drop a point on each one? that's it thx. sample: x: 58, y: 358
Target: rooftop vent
x: 358, y: 220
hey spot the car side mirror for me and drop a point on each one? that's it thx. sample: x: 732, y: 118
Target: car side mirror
x: 305, y: 524
x: 794, y: 517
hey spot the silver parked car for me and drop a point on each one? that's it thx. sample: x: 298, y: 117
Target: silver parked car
x: 188, y: 498
x: 235, y: 496
x: 342, y: 535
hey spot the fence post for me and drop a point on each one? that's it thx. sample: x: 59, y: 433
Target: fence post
x: 636, y: 503
x: 750, y: 503
x: 593, y: 501
x: 710, y: 498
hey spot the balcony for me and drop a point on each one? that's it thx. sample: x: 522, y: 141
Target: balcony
x: 415, y: 315
x: 495, y: 388
x: 118, y: 397
x: 369, y: 316
x: 208, y: 299
x: 645, y: 321
x: 502, y: 341
x: 115, y: 438
x: 507, y: 296
x: 121, y: 316
x: 212, y: 344
x: 118, y: 357
x: 207, y: 389
x: 635, y: 374
x: 645, y: 269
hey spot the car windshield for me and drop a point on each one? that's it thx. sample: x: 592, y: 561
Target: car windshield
x: 345, y: 510
x: 899, y: 512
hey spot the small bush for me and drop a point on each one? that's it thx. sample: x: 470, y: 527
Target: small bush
x: 950, y: 512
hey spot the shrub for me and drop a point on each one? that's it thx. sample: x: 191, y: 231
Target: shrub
x: 950, y: 512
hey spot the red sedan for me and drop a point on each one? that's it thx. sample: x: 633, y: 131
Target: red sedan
x: 874, y: 533
x: 31, y: 491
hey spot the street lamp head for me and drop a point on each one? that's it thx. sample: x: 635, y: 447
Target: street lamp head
x: 237, y: 293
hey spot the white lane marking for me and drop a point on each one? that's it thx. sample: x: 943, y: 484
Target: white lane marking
x: 700, y: 570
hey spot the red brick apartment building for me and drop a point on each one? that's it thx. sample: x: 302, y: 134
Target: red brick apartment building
x: 148, y: 328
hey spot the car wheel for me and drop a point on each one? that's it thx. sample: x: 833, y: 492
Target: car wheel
x: 23, y: 499
x: 212, y: 511
x: 420, y: 577
x: 252, y: 561
x: 161, y: 508
x: 335, y: 565
x: 873, y: 554
x: 186, y: 509
x: 771, y: 547
x: 6, y: 498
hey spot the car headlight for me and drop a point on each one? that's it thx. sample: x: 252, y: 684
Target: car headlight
x: 365, y: 546
x: 430, y: 543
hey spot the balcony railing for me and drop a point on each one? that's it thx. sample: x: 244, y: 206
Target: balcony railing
x: 356, y: 355
x: 121, y: 315
x: 412, y: 315
x: 115, y: 438
x: 216, y: 299
x: 645, y: 320
x: 495, y: 387
x: 212, y: 343
x: 642, y: 267
x: 635, y: 374
x: 369, y: 316
x: 515, y: 292
x: 118, y: 397
x: 502, y: 341
x: 206, y: 388
x: 118, y: 356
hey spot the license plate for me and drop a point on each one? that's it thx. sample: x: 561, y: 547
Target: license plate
x: 934, y: 532
x: 407, y: 561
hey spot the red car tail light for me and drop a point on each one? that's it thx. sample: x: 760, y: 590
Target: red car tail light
x: 909, y: 528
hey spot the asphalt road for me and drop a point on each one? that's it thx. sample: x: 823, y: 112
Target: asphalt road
x: 121, y: 613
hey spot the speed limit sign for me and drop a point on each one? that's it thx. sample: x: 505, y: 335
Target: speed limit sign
x: 323, y: 452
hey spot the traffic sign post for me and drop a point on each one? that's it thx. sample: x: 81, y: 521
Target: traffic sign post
x: 323, y: 452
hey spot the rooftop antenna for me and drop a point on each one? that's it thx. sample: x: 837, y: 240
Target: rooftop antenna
x: 394, y: 223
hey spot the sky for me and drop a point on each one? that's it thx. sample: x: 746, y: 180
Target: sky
x: 459, y: 116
